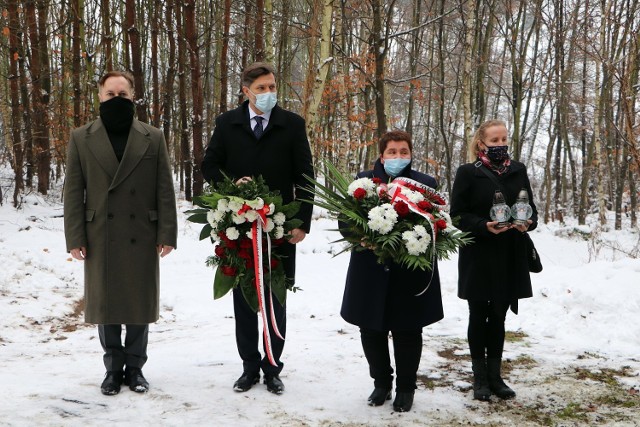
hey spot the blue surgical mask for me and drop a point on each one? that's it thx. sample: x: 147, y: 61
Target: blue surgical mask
x: 393, y: 167
x: 266, y: 101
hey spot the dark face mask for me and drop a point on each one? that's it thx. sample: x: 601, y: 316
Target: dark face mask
x: 117, y: 114
x: 498, y: 154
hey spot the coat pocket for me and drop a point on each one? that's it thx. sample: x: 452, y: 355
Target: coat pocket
x: 153, y: 215
x: 89, y: 214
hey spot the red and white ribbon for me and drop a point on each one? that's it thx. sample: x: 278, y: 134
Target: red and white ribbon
x: 256, y: 234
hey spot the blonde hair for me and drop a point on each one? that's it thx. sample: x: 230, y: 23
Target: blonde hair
x: 479, y: 136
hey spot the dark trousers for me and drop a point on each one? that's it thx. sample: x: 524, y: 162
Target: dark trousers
x: 134, y: 352
x: 486, y: 328
x: 248, y: 335
x: 407, y: 349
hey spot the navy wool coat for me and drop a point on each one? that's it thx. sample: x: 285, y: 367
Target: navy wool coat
x: 382, y: 297
x: 282, y: 156
x: 494, y: 267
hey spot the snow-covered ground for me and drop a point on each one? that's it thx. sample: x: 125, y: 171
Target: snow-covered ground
x: 573, y: 357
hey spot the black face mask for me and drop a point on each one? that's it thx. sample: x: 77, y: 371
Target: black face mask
x: 498, y: 154
x: 117, y: 114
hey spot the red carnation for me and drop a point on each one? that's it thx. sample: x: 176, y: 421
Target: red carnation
x: 441, y: 224
x: 245, y: 254
x: 223, y: 236
x: 274, y: 263
x: 219, y: 251
x: 376, y: 180
x: 359, y: 193
x: 248, y: 263
x: 231, y: 244
x: 245, y: 243
x: 402, y: 208
x: 227, y: 270
x: 425, y: 205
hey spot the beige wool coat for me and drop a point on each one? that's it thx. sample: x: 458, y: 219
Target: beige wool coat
x: 119, y: 212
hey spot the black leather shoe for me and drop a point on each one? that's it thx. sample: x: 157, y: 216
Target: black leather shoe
x: 111, y: 384
x: 403, y: 401
x: 274, y: 384
x: 379, y: 396
x: 246, y: 381
x: 135, y: 380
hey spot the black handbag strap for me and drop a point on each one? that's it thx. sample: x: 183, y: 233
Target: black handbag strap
x: 491, y: 176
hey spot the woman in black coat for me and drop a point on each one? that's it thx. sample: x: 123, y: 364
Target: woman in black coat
x: 493, y: 270
x: 382, y: 298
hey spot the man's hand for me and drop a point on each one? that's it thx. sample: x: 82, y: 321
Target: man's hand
x: 243, y: 180
x: 297, y: 235
x: 79, y: 253
x: 164, y: 250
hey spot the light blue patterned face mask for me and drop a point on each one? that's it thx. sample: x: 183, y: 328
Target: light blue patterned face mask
x: 393, y: 167
x: 265, y: 101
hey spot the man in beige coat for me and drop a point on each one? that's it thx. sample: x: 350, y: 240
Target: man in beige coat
x: 119, y: 218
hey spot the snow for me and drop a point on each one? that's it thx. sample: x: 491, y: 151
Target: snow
x: 583, y: 316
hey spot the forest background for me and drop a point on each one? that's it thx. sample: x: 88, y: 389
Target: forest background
x: 562, y: 73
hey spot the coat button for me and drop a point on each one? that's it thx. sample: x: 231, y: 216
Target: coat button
x: 132, y: 216
x: 386, y: 268
x: 133, y: 191
x: 110, y: 215
x: 133, y: 241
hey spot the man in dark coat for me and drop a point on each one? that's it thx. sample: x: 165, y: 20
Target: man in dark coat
x: 383, y: 298
x: 260, y: 138
x: 119, y: 215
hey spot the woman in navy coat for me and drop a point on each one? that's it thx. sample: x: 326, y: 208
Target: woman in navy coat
x: 493, y: 271
x: 382, y: 298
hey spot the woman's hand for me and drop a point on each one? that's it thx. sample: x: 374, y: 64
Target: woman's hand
x: 523, y: 227
x: 492, y: 226
x: 243, y: 180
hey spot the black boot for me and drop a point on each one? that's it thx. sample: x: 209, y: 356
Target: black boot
x: 496, y: 384
x: 379, y: 395
x: 481, y: 389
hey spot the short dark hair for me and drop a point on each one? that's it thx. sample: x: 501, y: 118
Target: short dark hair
x: 116, y: 73
x: 394, y: 135
x: 255, y: 70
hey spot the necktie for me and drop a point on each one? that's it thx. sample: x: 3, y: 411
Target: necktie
x: 258, y: 130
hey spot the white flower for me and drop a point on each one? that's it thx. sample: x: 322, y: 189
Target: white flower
x: 272, y: 209
x: 237, y: 219
x: 365, y: 183
x: 211, y: 218
x: 255, y: 204
x: 232, y: 233
x: 279, y: 218
x: 214, y: 235
x: 249, y: 235
x: 270, y: 225
x: 234, y: 205
x: 413, y: 196
x: 251, y: 216
x: 223, y: 205
x: 279, y: 233
x: 218, y: 215
x: 382, y: 218
x: 417, y: 240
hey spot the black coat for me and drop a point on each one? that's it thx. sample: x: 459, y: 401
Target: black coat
x: 282, y: 156
x: 382, y: 297
x: 494, y: 266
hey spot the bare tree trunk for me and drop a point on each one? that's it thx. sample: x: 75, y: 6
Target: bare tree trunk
x: 196, y: 93
x: 259, y: 31
x: 39, y: 120
x: 107, y: 37
x: 15, y: 37
x: 136, y: 60
x: 167, y: 102
x: 185, y: 152
x: 224, y: 52
x: 77, y: 6
x: 378, y: 52
x: 155, y: 79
